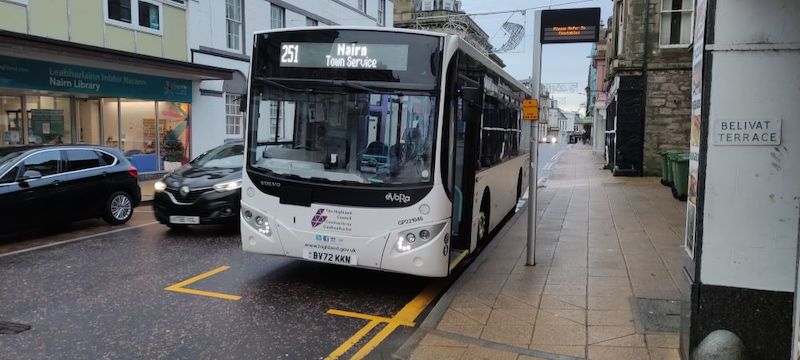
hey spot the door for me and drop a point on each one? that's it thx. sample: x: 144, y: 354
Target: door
x: 39, y: 200
x: 84, y: 182
x: 465, y: 140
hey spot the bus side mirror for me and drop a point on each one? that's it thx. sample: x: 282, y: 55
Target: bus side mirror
x: 471, y: 94
x: 243, y: 103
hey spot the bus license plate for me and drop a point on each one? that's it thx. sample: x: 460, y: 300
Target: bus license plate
x: 321, y: 256
x: 184, y: 219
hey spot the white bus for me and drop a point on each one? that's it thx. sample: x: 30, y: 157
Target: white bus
x: 379, y: 148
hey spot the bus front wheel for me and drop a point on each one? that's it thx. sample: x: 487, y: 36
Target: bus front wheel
x: 483, y: 222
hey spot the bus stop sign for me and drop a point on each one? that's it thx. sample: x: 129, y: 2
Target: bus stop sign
x: 530, y: 109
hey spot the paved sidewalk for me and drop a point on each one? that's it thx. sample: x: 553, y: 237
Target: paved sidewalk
x: 602, y: 242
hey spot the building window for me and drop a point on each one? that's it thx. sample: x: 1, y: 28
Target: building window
x: 277, y: 17
x: 149, y: 15
x: 381, y: 12
x: 676, y: 22
x: 138, y: 15
x: 233, y: 117
x: 362, y: 6
x: 619, y: 31
x: 449, y: 5
x: 426, y: 5
x: 311, y: 22
x: 119, y: 10
x: 233, y: 19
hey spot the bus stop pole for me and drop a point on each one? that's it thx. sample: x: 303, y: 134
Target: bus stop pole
x: 533, y: 176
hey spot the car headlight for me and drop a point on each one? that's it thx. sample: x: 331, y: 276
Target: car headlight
x: 159, y: 186
x: 413, y: 238
x: 228, y: 185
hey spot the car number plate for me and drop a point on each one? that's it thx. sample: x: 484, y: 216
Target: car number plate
x: 184, y: 219
x: 322, y: 256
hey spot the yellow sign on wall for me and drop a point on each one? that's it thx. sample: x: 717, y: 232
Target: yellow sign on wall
x: 530, y: 109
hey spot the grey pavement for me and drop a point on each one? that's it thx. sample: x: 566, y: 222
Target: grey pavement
x: 603, y: 243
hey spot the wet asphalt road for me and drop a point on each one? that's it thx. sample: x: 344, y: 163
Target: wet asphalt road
x: 104, y: 297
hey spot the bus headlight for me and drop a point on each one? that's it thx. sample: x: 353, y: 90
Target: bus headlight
x: 228, y: 185
x: 413, y: 238
x: 257, y: 221
x: 159, y: 186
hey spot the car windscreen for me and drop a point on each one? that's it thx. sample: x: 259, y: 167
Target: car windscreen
x: 225, y: 156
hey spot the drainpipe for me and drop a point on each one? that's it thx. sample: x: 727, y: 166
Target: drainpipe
x: 644, y: 74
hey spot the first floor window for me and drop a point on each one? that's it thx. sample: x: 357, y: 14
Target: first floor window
x: 233, y: 19
x: 676, y: 22
x: 277, y: 17
x: 119, y: 10
x: 233, y: 117
x: 381, y: 12
x: 136, y: 14
x: 149, y: 16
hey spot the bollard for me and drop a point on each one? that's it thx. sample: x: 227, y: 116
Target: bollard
x: 720, y: 345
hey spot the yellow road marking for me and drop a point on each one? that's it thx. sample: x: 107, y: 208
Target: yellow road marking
x: 366, y: 317
x: 180, y: 287
x: 405, y: 317
x: 352, y: 340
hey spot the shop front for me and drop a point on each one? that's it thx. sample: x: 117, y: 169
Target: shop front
x: 146, y: 117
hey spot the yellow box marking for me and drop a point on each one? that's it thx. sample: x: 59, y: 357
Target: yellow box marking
x: 405, y: 317
x: 366, y: 317
x: 180, y: 287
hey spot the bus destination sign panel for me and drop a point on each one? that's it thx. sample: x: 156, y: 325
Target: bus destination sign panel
x: 344, y: 56
x: 570, y: 25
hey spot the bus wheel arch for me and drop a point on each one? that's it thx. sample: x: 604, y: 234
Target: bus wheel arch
x: 519, y: 185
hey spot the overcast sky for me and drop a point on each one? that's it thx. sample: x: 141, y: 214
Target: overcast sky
x: 561, y: 63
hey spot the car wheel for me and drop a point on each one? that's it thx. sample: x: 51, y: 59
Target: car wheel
x: 483, y: 224
x: 119, y: 208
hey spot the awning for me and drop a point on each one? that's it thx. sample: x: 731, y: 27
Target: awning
x: 41, y: 48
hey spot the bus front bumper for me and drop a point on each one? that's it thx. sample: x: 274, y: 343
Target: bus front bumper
x: 389, y: 252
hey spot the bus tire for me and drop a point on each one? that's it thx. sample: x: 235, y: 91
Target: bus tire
x: 483, y: 221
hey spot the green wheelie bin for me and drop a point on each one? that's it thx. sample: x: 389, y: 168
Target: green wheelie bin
x: 680, y: 172
x: 666, y: 167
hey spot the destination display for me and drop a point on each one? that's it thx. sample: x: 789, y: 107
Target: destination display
x: 570, y: 25
x: 344, y: 56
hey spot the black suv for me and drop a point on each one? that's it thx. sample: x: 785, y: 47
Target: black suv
x: 205, y: 191
x: 46, y: 185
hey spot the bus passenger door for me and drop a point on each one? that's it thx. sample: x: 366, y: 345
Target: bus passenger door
x: 466, y: 127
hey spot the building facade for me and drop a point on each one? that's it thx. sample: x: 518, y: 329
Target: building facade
x: 596, y: 96
x: 649, y: 75
x: 443, y: 16
x: 106, y: 72
x: 221, y: 34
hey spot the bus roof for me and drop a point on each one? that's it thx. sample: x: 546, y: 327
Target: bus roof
x: 462, y: 44
x: 371, y: 28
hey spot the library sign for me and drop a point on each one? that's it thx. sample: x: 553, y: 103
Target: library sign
x: 570, y: 26
x: 44, y: 75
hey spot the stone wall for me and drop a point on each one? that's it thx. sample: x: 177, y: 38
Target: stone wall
x: 667, y: 115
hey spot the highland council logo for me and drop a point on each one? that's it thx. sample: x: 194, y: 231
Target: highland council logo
x: 318, y: 218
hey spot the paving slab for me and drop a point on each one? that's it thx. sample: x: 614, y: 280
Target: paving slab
x: 603, y: 243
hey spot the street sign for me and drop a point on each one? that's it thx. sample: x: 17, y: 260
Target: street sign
x: 530, y: 109
x: 570, y: 26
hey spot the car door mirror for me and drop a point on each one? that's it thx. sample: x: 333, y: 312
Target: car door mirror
x: 30, y: 175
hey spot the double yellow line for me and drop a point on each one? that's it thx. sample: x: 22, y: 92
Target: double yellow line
x: 405, y: 317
